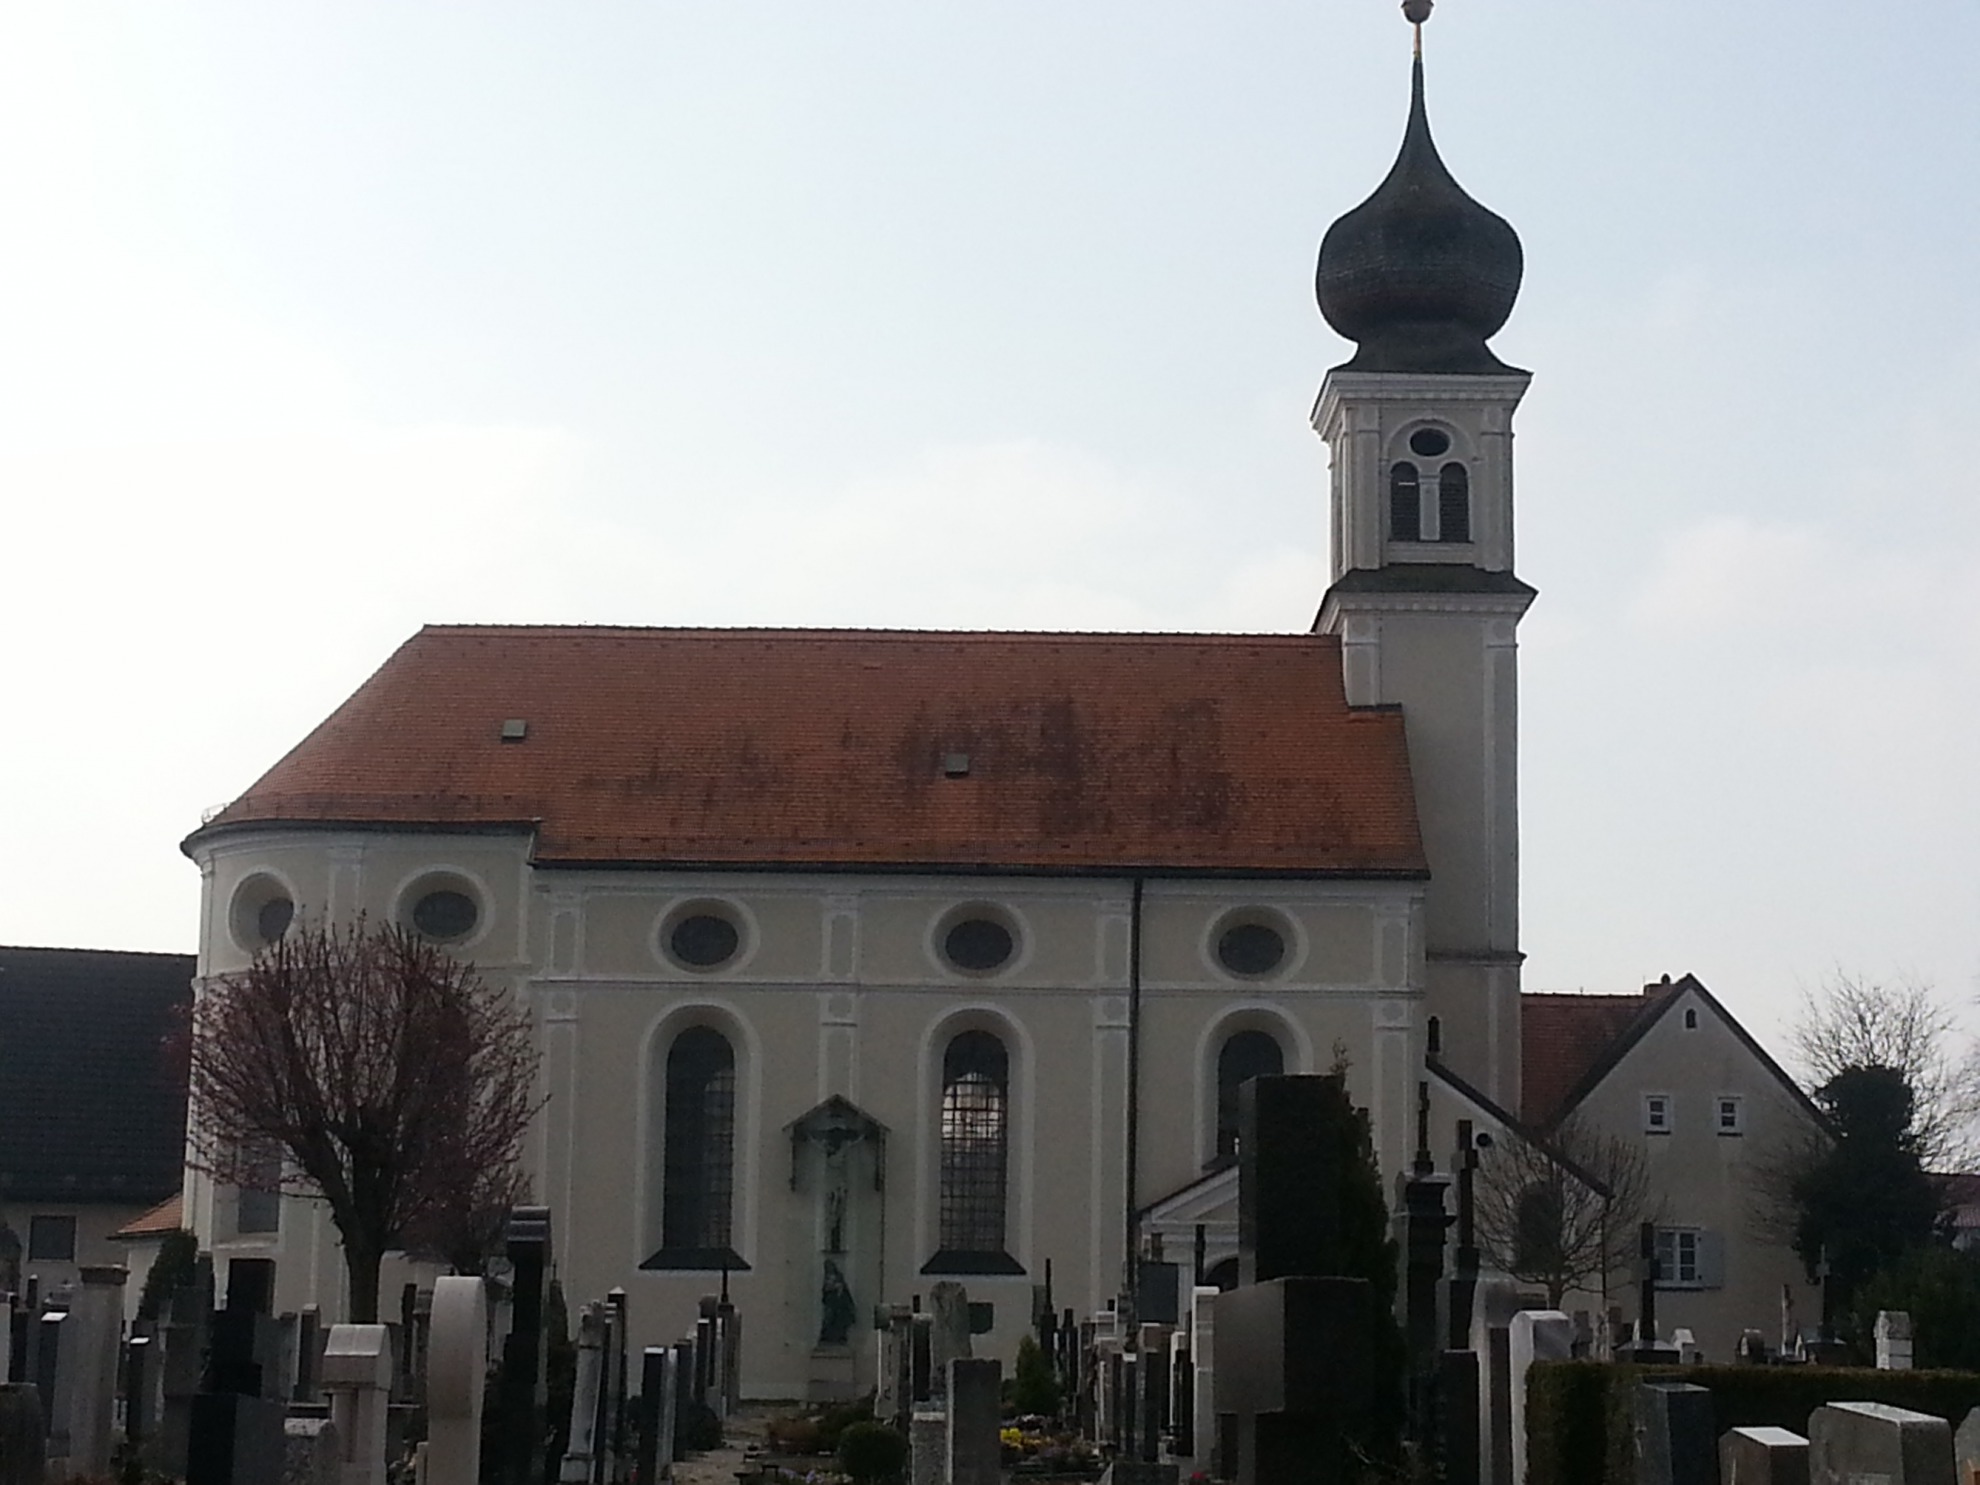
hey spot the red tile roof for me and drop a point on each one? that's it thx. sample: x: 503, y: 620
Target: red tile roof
x: 167, y: 1217
x: 827, y: 748
x: 1563, y: 1036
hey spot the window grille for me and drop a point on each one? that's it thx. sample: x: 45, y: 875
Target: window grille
x: 698, y: 1184
x: 1454, y: 503
x: 1246, y: 1055
x: 975, y: 1131
x: 1405, y: 503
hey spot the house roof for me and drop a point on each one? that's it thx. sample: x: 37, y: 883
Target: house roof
x: 1563, y: 1036
x: 870, y: 749
x: 1569, y: 1043
x: 88, y: 1109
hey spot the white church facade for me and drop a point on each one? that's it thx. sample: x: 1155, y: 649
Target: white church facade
x: 861, y: 960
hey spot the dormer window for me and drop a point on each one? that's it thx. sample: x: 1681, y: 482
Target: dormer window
x: 1405, y: 502
x: 1454, y: 503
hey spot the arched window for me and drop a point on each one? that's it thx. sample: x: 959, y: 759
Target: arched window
x: 699, y: 1180
x: 1246, y: 1055
x: 975, y: 1138
x: 1405, y: 502
x: 1454, y: 503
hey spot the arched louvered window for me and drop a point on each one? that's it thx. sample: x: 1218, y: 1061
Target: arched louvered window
x: 975, y: 1129
x: 699, y: 1181
x: 1454, y: 503
x: 1246, y: 1055
x: 1405, y: 502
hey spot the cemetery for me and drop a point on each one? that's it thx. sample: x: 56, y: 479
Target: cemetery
x: 1356, y: 1346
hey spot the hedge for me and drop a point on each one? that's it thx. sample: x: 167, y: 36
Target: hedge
x: 1580, y: 1414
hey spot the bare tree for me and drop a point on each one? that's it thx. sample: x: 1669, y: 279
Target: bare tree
x: 1853, y: 1023
x: 396, y: 1082
x: 1563, y: 1213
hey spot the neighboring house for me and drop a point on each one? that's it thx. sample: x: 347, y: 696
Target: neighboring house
x: 864, y: 960
x: 92, y: 1123
x: 1674, y: 1072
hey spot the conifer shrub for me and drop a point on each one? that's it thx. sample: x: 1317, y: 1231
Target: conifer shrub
x: 872, y: 1453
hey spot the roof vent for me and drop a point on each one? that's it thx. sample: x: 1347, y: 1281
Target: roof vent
x: 955, y: 765
x: 515, y: 730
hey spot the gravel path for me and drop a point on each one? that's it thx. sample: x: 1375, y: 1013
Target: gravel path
x: 719, y: 1466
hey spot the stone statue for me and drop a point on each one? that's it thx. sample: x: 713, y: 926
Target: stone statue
x: 836, y: 1303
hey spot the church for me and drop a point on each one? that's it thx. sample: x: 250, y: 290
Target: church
x: 865, y: 960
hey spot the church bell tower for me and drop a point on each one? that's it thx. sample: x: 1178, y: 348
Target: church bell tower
x: 1423, y: 595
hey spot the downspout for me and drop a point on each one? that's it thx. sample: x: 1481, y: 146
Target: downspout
x: 1132, y: 1216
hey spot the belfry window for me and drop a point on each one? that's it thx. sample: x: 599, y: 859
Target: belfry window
x: 1454, y: 503
x: 1405, y: 502
x: 975, y: 1143
x: 698, y: 1182
x: 1246, y: 1055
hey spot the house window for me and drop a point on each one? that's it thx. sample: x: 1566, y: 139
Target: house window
x: 975, y: 1134
x: 1732, y: 1114
x: 698, y: 1182
x: 52, y: 1239
x: 1688, y: 1258
x: 1454, y: 503
x: 1690, y: 1018
x: 1405, y: 503
x: 1656, y: 1113
x: 1244, y: 1056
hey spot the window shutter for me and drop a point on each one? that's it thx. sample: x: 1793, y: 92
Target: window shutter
x: 1711, y: 1260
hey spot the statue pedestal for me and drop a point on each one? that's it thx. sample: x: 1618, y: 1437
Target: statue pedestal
x: 834, y: 1375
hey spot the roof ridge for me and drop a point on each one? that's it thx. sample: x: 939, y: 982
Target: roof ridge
x: 71, y: 949
x: 801, y: 632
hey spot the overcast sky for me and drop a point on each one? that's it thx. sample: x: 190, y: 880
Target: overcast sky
x: 319, y: 322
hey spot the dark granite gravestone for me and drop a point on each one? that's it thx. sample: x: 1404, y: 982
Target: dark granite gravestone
x: 23, y: 1445
x: 1293, y: 1344
x: 236, y: 1435
x: 1675, y: 1435
x: 1763, y: 1456
x: 522, y: 1396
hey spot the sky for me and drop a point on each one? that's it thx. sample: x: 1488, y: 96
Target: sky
x: 320, y: 322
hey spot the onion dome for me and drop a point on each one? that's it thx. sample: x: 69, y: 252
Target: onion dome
x: 1419, y: 275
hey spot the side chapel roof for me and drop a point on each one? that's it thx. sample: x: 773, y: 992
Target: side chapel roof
x: 88, y: 1109
x: 867, y: 749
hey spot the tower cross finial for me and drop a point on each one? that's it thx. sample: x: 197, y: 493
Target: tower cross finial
x: 1416, y: 12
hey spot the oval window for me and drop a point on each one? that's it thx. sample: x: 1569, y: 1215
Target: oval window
x: 1429, y: 442
x: 273, y: 917
x: 704, y: 940
x: 978, y: 945
x: 1251, y: 949
x: 445, y: 914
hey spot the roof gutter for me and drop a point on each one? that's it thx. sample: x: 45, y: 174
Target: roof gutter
x: 1131, y: 1223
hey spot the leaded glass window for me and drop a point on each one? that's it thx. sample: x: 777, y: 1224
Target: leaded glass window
x: 1246, y: 1055
x: 699, y: 1179
x: 975, y: 1143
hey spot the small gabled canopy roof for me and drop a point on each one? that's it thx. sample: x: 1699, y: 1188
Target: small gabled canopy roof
x: 867, y: 749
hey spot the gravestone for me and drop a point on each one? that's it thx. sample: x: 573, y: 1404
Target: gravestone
x: 579, y: 1453
x: 1495, y: 1301
x: 456, y: 1372
x: 1851, y: 1443
x: 1151, y: 1380
x: 357, y: 1374
x: 82, y: 1399
x: 23, y: 1442
x: 235, y: 1431
x: 1893, y: 1334
x: 928, y: 1447
x: 520, y: 1425
x: 975, y: 1417
x: 1763, y: 1456
x: 1203, y: 1357
x: 1675, y: 1443
x: 657, y: 1390
x: 1966, y: 1449
x: 948, y: 1338
x: 894, y: 1389
x: 310, y: 1453
x: 182, y: 1332
x: 1535, y: 1335
x: 1688, y: 1350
